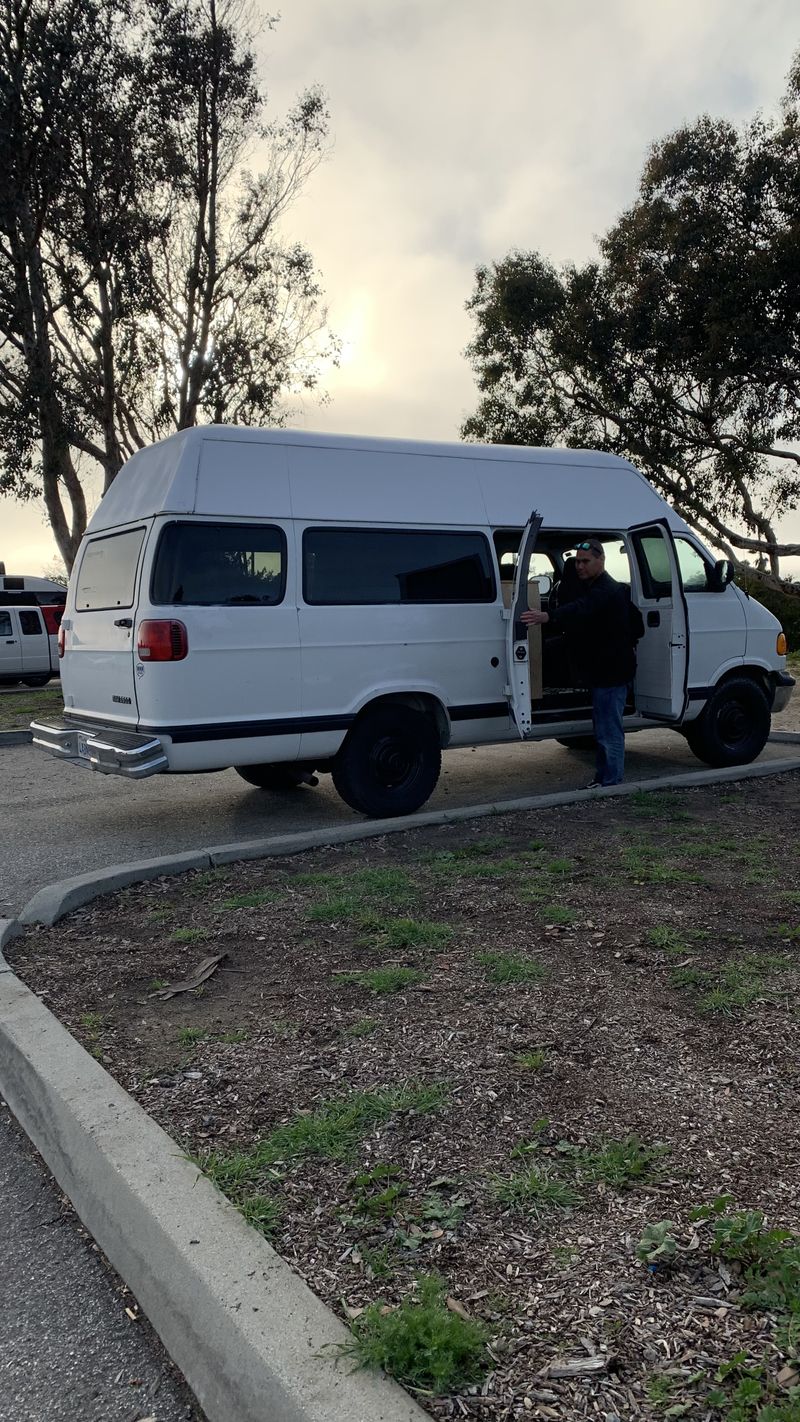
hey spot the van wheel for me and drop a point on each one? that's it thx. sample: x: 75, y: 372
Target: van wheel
x: 389, y: 763
x: 276, y: 777
x: 734, y: 726
x: 36, y: 680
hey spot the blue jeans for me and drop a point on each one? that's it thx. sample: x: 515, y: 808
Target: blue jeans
x: 608, y: 704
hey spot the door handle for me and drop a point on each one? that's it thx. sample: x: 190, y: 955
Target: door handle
x: 11, y: 641
x: 654, y: 619
x: 124, y: 622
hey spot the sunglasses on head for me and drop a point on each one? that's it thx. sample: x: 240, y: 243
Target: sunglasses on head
x: 590, y: 548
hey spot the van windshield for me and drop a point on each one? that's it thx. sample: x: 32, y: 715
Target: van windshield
x: 220, y: 564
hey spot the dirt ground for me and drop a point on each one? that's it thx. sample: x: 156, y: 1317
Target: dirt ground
x: 564, y: 1026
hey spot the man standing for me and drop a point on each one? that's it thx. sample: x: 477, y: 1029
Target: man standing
x: 598, y: 628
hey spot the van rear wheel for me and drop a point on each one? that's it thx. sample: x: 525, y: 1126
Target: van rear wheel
x: 36, y: 680
x: 389, y: 763
x: 276, y: 777
x: 734, y: 726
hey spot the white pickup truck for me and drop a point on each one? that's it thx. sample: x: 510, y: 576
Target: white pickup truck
x: 28, y: 650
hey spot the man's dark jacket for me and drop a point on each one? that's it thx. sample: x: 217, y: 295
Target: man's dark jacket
x: 597, y: 626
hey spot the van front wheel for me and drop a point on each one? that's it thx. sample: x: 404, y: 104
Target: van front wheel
x: 733, y: 727
x: 389, y: 763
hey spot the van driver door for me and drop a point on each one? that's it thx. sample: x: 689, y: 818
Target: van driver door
x: 517, y: 635
x: 662, y: 655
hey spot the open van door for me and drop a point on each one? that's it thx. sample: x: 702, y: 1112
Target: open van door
x: 662, y: 655
x: 517, y: 637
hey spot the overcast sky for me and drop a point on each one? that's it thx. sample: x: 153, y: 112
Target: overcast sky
x: 462, y: 130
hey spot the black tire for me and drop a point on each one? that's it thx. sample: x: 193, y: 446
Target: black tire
x: 734, y: 725
x: 274, y: 777
x: 389, y: 763
x: 36, y: 680
x: 577, y: 742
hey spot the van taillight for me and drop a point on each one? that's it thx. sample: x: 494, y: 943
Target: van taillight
x: 61, y: 640
x: 162, y: 641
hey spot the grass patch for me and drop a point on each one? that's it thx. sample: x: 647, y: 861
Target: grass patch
x: 732, y: 988
x: 231, y: 1039
x: 672, y: 941
x: 534, y: 1192
x: 414, y: 933
x: 332, y: 1132
x: 506, y: 968
x: 252, y: 900
x: 189, y: 1036
x: 364, y: 1028
x: 263, y: 1212
x: 381, y: 980
x: 24, y: 706
x: 658, y: 805
x: 560, y: 866
x: 187, y: 935
x: 532, y: 1061
x: 618, y: 1163
x: 422, y: 1343
x: 557, y: 914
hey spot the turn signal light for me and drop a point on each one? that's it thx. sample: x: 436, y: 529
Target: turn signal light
x: 780, y: 646
x: 62, y: 638
x: 162, y: 641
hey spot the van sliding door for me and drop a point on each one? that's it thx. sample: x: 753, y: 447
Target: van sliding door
x: 662, y: 655
x: 517, y: 636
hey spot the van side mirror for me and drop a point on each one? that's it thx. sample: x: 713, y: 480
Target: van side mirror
x: 720, y: 575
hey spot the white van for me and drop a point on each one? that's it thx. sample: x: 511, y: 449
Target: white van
x: 284, y: 602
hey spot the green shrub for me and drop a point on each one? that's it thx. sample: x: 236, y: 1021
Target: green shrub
x: 422, y: 1343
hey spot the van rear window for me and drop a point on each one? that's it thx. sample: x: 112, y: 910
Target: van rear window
x: 107, y: 575
x: 372, y: 566
x: 219, y: 564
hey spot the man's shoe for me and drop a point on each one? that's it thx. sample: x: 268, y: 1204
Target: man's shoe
x: 595, y: 785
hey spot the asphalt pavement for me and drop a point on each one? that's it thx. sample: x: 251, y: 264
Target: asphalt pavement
x: 69, y: 1349
x: 61, y: 819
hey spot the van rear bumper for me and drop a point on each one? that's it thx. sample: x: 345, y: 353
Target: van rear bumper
x: 108, y: 749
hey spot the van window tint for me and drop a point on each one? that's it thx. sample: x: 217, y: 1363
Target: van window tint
x: 654, y: 565
x: 5, y: 624
x: 31, y: 624
x: 693, y: 566
x: 372, y: 566
x: 220, y: 564
x: 107, y: 575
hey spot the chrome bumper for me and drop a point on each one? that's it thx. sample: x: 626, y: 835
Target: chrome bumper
x: 105, y: 748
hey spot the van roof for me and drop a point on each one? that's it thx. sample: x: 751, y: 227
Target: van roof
x: 191, y: 472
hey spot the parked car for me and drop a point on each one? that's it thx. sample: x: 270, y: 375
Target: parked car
x: 28, y: 647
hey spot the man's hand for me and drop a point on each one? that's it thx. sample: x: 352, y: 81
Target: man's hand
x: 535, y: 619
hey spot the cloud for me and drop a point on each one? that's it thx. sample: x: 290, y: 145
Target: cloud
x: 463, y: 130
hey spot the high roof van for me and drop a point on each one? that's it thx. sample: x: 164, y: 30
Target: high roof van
x: 284, y: 602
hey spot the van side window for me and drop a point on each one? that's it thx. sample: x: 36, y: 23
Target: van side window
x: 653, y: 560
x: 5, y: 624
x: 107, y: 575
x: 693, y: 566
x: 368, y: 566
x: 219, y: 565
x: 31, y: 624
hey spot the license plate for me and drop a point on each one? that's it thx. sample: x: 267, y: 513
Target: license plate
x: 83, y: 747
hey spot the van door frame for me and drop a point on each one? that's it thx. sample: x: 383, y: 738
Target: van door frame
x: 677, y: 602
x: 519, y: 681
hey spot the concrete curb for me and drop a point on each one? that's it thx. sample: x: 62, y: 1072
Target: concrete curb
x: 250, y: 1337
x: 791, y: 738
x: 15, y: 738
x: 53, y: 902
